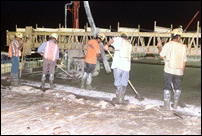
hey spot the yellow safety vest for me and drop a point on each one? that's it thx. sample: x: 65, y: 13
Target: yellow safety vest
x: 177, y: 55
x: 126, y: 49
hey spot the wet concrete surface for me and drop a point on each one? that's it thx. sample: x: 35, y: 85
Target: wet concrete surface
x: 27, y: 110
x: 147, y: 79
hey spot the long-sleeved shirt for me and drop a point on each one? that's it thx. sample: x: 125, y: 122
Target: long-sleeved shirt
x: 42, y: 48
x: 14, y: 47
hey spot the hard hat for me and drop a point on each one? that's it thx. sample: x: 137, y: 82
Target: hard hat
x: 18, y: 34
x: 180, y: 27
x: 176, y: 31
x: 101, y: 36
x: 124, y: 34
x: 54, y: 35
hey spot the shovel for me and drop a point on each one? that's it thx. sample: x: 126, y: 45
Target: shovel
x: 137, y: 95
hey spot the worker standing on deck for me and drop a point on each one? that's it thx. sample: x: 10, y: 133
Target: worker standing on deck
x: 93, y: 52
x: 50, y: 52
x: 174, y: 54
x: 14, y: 53
x: 121, y: 64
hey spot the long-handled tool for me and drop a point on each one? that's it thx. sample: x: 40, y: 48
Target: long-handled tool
x: 137, y: 96
x: 66, y: 73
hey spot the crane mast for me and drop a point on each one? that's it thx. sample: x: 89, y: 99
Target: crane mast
x: 75, y: 11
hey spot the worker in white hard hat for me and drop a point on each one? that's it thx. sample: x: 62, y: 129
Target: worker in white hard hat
x: 93, y: 53
x: 14, y: 53
x: 121, y: 65
x: 50, y: 52
x: 175, y: 57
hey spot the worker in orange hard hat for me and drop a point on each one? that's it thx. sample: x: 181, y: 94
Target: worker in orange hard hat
x: 50, y: 52
x: 174, y: 54
x: 14, y: 52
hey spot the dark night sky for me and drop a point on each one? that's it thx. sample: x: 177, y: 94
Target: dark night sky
x: 105, y: 13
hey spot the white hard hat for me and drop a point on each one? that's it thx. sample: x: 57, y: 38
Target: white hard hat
x: 54, y: 35
x: 19, y: 35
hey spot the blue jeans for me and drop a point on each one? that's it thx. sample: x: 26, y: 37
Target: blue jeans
x: 121, y: 77
x: 15, y: 64
x: 170, y: 78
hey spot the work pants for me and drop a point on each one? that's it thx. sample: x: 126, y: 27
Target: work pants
x: 15, y: 64
x: 89, y: 68
x: 48, y: 66
x: 121, y: 77
x: 170, y: 78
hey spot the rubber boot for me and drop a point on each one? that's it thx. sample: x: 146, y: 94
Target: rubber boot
x: 83, y: 80
x: 89, y: 81
x: 175, y: 104
x: 16, y: 82
x: 166, y: 100
x: 122, y: 95
x: 89, y: 87
x: 42, y: 85
x: 118, y: 90
x: 166, y: 104
x: 176, y: 98
x: 52, y: 86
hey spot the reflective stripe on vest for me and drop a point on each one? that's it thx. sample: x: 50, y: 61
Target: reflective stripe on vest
x: 177, y: 55
x: 51, y: 51
x: 12, y: 51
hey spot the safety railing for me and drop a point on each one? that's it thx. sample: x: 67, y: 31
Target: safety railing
x: 29, y: 63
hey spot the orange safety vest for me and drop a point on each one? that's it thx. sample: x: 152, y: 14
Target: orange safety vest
x: 50, y: 51
x: 10, y: 53
x: 177, y: 55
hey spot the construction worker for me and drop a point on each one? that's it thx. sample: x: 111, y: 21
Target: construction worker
x: 50, y: 52
x: 121, y: 65
x: 93, y: 52
x: 14, y: 53
x: 174, y: 54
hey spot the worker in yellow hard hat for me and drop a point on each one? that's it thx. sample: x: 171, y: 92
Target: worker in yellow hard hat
x: 121, y: 65
x: 14, y: 52
x: 50, y: 52
x: 93, y: 52
x: 174, y: 54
